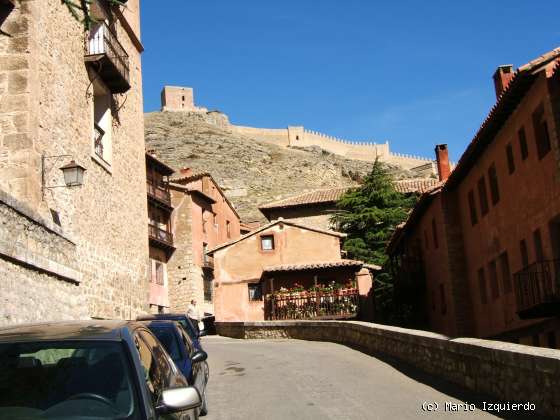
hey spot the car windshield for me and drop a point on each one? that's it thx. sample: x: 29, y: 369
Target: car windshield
x: 65, y: 380
x: 168, y: 339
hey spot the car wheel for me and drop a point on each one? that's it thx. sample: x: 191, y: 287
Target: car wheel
x: 204, y: 407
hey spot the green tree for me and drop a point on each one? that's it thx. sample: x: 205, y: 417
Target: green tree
x: 80, y: 10
x: 369, y: 215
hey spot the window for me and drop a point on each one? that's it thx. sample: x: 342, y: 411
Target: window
x: 228, y: 228
x: 255, y: 291
x: 482, y: 286
x: 267, y: 242
x: 493, y: 181
x: 551, y: 338
x: 102, y: 126
x: 523, y: 143
x: 510, y: 159
x: 472, y: 207
x: 205, y: 256
x: 157, y: 370
x: 426, y: 241
x: 493, y: 273
x: 540, y: 128
x: 482, y: 196
x: 524, y: 253
x: 208, y: 284
x: 159, y: 273
x: 442, y: 299
x: 537, y: 239
x: 506, y: 275
x: 434, y: 233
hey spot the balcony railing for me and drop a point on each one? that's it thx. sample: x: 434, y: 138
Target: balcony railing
x: 208, y: 262
x: 158, y: 192
x: 340, y: 304
x: 160, y: 235
x: 537, y: 289
x: 103, y: 47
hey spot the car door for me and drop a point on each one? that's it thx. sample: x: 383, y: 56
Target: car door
x: 200, y: 370
x: 159, y: 372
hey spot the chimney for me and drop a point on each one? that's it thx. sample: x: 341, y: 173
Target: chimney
x: 186, y: 171
x: 442, y: 159
x: 502, y: 77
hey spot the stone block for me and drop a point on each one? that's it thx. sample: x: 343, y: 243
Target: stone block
x: 17, y: 142
x: 13, y: 103
x: 10, y: 63
x: 17, y: 82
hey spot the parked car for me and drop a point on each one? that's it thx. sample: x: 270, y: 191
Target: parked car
x: 90, y: 370
x: 182, y: 319
x: 188, y: 359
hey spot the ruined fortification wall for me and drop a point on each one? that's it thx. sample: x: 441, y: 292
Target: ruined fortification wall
x: 277, y: 136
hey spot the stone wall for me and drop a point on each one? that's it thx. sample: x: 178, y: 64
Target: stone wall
x: 46, y: 108
x: 40, y: 277
x: 508, y: 372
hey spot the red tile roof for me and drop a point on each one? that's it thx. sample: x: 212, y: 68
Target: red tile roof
x: 313, y: 265
x: 313, y: 197
x: 420, y: 185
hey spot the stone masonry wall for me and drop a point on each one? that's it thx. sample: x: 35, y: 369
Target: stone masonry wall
x: 46, y: 108
x: 40, y: 280
x: 509, y: 372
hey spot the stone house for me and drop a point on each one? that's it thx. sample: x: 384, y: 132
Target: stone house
x: 203, y: 218
x: 486, y: 241
x: 280, y: 254
x: 70, y: 101
x: 159, y: 231
x: 315, y: 208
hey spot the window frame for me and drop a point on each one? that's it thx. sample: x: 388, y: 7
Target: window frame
x: 483, y: 196
x: 261, y: 241
x: 523, y: 145
x: 255, y: 286
x: 541, y: 132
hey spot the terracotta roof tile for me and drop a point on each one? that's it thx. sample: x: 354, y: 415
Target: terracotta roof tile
x: 312, y: 197
x: 313, y: 265
x: 420, y: 185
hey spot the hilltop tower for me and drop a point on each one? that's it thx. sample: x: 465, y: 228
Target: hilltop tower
x: 177, y: 98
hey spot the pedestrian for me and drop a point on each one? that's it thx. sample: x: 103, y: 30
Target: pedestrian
x: 193, y: 314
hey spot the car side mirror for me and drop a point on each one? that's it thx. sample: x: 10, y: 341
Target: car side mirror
x: 202, y: 333
x: 199, y: 356
x: 178, y: 399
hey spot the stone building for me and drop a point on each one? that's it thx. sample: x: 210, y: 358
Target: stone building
x: 202, y: 219
x: 278, y: 255
x: 71, y: 100
x: 316, y: 208
x: 486, y: 241
x: 159, y: 231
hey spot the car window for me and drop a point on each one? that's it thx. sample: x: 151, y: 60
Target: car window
x: 188, y: 342
x: 65, y: 379
x: 186, y: 324
x: 157, y: 370
x: 167, y: 337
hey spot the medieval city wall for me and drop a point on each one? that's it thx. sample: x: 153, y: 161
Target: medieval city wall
x: 277, y: 136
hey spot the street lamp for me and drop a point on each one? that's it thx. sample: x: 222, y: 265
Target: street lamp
x: 73, y: 173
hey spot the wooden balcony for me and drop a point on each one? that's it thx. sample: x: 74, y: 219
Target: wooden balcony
x: 158, y: 193
x: 108, y: 58
x: 537, y: 290
x: 160, y: 238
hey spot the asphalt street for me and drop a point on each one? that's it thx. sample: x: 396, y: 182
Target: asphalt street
x: 293, y: 379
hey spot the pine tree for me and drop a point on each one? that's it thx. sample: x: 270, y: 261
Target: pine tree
x: 369, y: 215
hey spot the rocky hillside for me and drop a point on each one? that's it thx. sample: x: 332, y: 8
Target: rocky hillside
x: 250, y: 172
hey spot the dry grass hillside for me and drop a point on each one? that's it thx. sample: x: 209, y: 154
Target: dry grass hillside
x: 251, y: 172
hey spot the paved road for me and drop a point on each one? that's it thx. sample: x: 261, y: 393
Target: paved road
x: 292, y: 379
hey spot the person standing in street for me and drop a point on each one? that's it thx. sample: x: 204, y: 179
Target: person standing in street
x: 193, y: 314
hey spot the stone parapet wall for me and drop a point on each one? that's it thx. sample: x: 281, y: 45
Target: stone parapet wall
x: 509, y: 372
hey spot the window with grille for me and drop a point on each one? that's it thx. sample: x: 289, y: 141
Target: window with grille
x: 267, y: 242
x: 208, y: 285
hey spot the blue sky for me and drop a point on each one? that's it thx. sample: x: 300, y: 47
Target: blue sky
x: 414, y: 73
